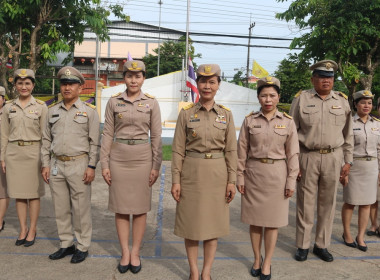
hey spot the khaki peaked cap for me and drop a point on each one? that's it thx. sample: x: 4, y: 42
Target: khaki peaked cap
x: 209, y: 70
x: 363, y: 94
x: 134, y: 66
x: 325, y: 68
x: 70, y: 74
x: 270, y: 81
x: 23, y: 74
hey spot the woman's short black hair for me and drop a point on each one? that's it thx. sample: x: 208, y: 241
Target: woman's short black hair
x: 199, y: 77
x: 125, y: 72
x: 267, y: 86
x: 33, y: 81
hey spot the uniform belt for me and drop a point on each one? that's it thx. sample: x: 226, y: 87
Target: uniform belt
x: 68, y: 158
x: 24, y: 143
x: 131, y: 141
x: 365, y: 158
x: 267, y: 160
x: 321, y: 151
x: 205, y: 155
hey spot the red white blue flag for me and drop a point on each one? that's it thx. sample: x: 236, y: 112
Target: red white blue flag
x: 191, y: 83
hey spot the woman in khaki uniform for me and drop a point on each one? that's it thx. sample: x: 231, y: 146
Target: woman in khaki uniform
x: 267, y: 170
x: 364, y: 174
x: 203, y: 171
x: 130, y: 164
x: 21, y: 131
x: 4, y: 199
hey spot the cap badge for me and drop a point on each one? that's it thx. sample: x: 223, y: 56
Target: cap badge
x: 328, y: 65
x: 23, y: 73
x: 367, y: 93
x: 269, y: 80
x: 134, y: 65
x: 207, y: 69
x: 68, y: 72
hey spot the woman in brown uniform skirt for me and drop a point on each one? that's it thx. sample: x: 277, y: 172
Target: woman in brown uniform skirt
x: 4, y: 199
x: 267, y: 170
x: 21, y: 131
x: 364, y: 174
x: 130, y: 164
x: 203, y: 171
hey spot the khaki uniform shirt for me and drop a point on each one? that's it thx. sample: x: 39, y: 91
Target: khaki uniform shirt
x: 273, y: 139
x: 367, y: 137
x: 132, y: 120
x: 24, y: 124
x: 71, y: 132
x: 323, y: 123
x: 202, y: 131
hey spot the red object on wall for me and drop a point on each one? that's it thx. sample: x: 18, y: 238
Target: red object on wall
x: 82, y: 60
x: 92, y: 60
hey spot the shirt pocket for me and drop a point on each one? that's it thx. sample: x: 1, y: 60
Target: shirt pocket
x: 338, y: 116
x: 80, y: 125
x: 358, y: 136
x: 220, y: 130
x: 32, y: 120
x: 310, y: 115
x: 280, y: 136
x: 374, y: 138
x: 193, y: 130
x: 120, y: 114
x: 143, y: 114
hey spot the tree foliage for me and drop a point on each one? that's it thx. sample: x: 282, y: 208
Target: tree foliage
x: 32, y: 32
x: 171, y: 55
x: 345, y: 31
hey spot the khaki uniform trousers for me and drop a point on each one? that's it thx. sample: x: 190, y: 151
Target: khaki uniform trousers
x: 72, y: 202
x: 320, y: 179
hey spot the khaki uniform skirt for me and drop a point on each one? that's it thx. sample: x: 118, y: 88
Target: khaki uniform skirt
x: 130, y: 167
x: 23, y: 171
x: 202, y: 212
x: 264, y: 203
x: 362, y: 183
x: 3, y: 185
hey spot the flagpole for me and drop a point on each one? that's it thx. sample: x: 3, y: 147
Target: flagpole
x: 187, y: 37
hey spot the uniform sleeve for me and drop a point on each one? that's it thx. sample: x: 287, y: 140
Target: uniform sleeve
x: 108, y: 134
x: 294, y: 111
x: 230, y: 151
x: 93, y: 138
x: 348, y: 135
x: 4, y: 132
x: 43, y: 118
x: 242, y: 152
x: 292, y: 152
x: 378, y: 149
x: 179, y: 147
x: 155, y: 136
x: 46, y: 140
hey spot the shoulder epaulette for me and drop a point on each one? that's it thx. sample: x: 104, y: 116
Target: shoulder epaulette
x: 51, y: 105
x: 298, y: 94
x: 343, y: 95
x: 376, y: 119
x: 148, y: 95
x: 9, y: 101
x: 40, y: 101
x: 116, y: 94
x: 90, y: 105
x: 288, y: 116
x: 224, y: 107
x: 187, y: 107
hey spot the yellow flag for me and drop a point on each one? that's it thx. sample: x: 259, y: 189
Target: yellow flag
x: 258, y: 71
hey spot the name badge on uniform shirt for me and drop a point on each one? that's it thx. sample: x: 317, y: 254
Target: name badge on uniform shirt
x: 12, y: 110
x: 375, y: 129
x: 221, y: 119
x: 195, y: 120
x: 357, y: 129
x: 55, y: 115
x: 81, y: 114
x: 280, y: 126
x: 257, y: 126
x: 336, y: 107
x: 310, y: 105
x: 120, y: 104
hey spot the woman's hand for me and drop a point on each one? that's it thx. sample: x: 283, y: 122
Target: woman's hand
x: 3, y: 166
x: 344, y: 181
x: 153, y: 177
x: 45, y: 174
x: 289, y: 193
x: 176, y: 191
x: 299, y: 176
x: 106, y: 173
x: 241, y: 189
x: 230, y: 192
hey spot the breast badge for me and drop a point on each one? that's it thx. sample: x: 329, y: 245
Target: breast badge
x: 120, y: 115
x: 281, y: 126
x: 81, y: 114
x: 194, y: 118
x: 194, y: 133
x: 221, y: 119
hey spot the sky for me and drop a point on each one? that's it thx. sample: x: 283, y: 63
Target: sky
x: 222, y: 17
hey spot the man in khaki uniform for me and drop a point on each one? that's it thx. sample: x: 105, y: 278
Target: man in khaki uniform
x: 324, y: 125
x: 70, y: 147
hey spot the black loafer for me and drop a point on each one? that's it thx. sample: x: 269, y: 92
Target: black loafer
x: 2, y: 227
x: 360, y: 247
x: 135, y: 269
x: 257, y: 272
x: 352, y: 245
x: 265, y: 276
x: 30, y: 243
x: 122, y: 268
x: 301, y: 254
x: 323, y: 254
x: 62, y: 252
x: 79, y: 256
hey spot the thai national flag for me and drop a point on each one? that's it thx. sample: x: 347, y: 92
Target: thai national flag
x: 191, y: 83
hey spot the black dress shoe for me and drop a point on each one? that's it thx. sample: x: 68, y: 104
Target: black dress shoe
x: 265, y: 276
x: 257, y: 272
x: 30, y: 243
x: 352, y: 245
x: 20, y: 242
x: 135, y: 269
x: 79, y: 256
x: 360, y: 247
x: 122, y: 268
x: 301, y: 254
x: 323, y: 254
x: 63, y: 252
x: 371, y: 232
x: 2, y: 227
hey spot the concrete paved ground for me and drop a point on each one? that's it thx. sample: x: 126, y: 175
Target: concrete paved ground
x: 163, y: 254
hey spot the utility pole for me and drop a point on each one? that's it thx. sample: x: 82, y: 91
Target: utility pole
x: 159, y: 40
x: 251, y: 25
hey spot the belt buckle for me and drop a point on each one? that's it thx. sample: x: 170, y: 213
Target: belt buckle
x: 65, y: 158
x: 271, y: 161
x: 21, y: 143
x: 264, y: 160
x: 131, y: 142
x: 208, y: 156
x: 324, y: 151
x: 368, y: 158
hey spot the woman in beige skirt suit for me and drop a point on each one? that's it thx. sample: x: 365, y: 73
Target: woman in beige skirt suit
x: 21, y: 131
x: 267, y: 170
x: 203, y: 171
x: 4, y: 198
x: 130, y: 164
x: 364, y: 174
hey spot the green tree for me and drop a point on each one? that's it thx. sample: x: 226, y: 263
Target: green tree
x: 32, y: 32
x: 345, y: 31
x: 294, y: 75
x: 171, y: 55
x: 239, y: 78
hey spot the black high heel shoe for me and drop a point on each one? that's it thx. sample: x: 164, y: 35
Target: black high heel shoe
x: 30, y: 243
x: 123, y: 268
x: 135, y: 269
x: 2, y: 227
x: 352, y: 245
x: 266, y: 277
x: 360, y: 247
x: 20, y: 242
x: 257, y: 272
